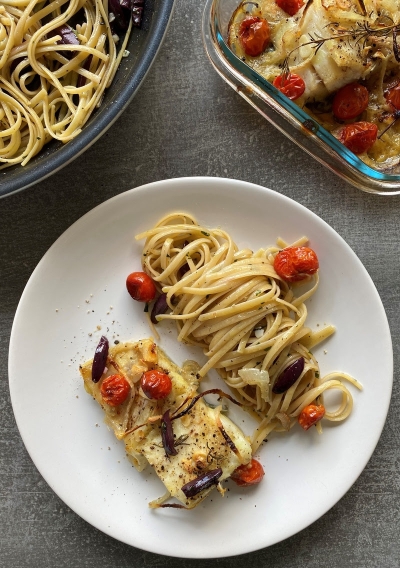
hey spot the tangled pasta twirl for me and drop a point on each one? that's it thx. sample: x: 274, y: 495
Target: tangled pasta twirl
x: 241, y: 308
x: 56, y: 60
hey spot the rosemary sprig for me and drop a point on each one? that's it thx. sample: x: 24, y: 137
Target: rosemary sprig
x: 213, y: 456
x: 181, y: 441
x: 396, y: 116
x: 361, y: 32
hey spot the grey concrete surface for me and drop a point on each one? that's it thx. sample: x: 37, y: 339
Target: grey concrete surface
x: 186, y: 121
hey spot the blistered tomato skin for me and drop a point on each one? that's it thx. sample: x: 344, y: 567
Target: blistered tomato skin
x: 254, y: 35
x: 291, y: 7
x: 310, y: 415
x: 291, y: 85
x: 293, y: 264
x: 115, y: 390
x: 359, y: 136
x: 393, y: 97
x: 350, y: 101
x: 155, y: 384
x: 250, y: 474
x: 141, y: 287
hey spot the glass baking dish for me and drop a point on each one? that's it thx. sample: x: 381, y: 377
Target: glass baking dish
x: 282, y: 112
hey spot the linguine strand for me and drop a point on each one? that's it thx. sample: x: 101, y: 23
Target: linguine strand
x: 48, y: 90
x: 232, y: 303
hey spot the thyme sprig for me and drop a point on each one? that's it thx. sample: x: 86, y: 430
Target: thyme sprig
x: 181, y: 441
x: 360, y: 33
x: 213, y: 456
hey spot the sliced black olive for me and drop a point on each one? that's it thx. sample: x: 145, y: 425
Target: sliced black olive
x: 167, y: 435
x: 204, y: 481
x: 68, y: 37
x: 81, y: 81
x: 122, y: 15
x: 137, y: 12
x: 100, y: 359
x: 289, y: 376
x: 160, y: 306
x: 67, y: 34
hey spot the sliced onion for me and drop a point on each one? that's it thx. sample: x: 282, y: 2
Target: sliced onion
x: 256, y: 377
x: 284, y: 419
x: 159, y: 501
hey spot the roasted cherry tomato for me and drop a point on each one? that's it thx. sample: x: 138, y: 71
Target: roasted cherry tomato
x: 291, y: 7
x: 249, y: 474
x: 115, y: 390
x: 141, y: 287
x: 350, y: 101
x: 359, y: 136
x: 291, y: 85
x: 296, y: 263
x: 254, y: 35
x: 310, y: 415
x: 393, y: 96
x: 155, y: 384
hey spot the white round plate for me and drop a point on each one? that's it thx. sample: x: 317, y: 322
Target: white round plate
x: 77, y: 293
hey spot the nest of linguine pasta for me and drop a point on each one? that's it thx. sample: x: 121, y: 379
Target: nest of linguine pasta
x: 250, y: 323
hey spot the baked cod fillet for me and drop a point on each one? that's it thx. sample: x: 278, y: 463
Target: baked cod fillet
x: 328, y: 66
x: 203, y: 438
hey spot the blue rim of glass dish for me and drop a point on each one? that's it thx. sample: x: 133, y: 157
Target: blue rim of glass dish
x: 329, y: 141
x: 55, y: 156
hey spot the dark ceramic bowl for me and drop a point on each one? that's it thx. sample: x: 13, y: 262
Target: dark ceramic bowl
x: 143, y: 47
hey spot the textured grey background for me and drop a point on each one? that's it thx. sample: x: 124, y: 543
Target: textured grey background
x: 186, y: 121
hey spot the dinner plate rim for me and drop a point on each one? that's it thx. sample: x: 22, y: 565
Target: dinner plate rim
x: 192, y: 183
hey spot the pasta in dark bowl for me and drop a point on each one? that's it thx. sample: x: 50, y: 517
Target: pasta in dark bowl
x: 67, y: 72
